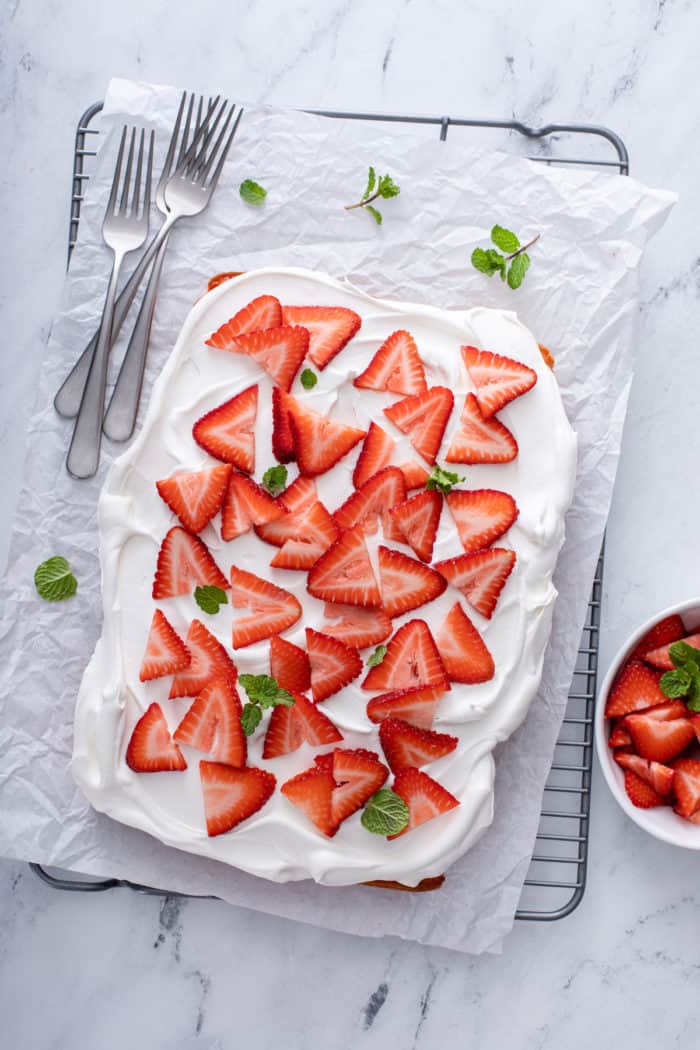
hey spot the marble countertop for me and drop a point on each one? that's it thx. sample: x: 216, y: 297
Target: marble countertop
x: 114, y: 970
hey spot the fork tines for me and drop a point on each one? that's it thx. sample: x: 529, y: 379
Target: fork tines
x: 130, y: 199
x: 195, y: 165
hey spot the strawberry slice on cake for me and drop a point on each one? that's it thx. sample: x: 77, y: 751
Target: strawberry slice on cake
x: 481, y: 439
x: 416, y: 705
x: 295, y: 499
x: 406, y: 583
x: 417, y: 520
x: 166, y: 653
x: 245, y: 505
x: 374, y: 499
x: 480, y: 577
x: 481, y: 515
x: 498, y: 379
x: 302, y: 722
x: 412, y: 659
x: 374, y: 455
x: 195, y: 496
x: 356, y: 626
x: 228, y: 431
x: 425, y: 798
x: 396, y: 366
x: 151, y: 748
x: 463, y: 650
x: 289, y: 665
x: 208, y: 660
x: 311, y: 533
x: 184, y: 562
x: 320, y: 442
x: 271, y: 609
x: 423, y: 418
x: 213, y: 724
x: 405, y: 745
x: 279, y: 351
x: 232, y: 795
x: 282, y: 436
x: 330, y: 329
x: 414, y: 474
x: 333, y: 664
x: 258, y: 315
x: 344, y: 573
x: 336, y: 786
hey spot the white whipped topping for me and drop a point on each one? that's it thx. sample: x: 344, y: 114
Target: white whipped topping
x: 279, y: 842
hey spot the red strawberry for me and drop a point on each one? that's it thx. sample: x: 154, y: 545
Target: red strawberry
x: 333, y: 664
x: 497, y: 379
x: 271, y: 608
x: 232, y: 795
x: 356, y: 626
x: 396, y: 366
x: 406, y: 583
x: 658, y: 776
x: 150, y: 748
x: 424, y: 418
x: 412, y: 659
x: 376, y: 497
x: 481, y: 440
x: 209, y: 659
x: 694, y: 720
x: 480, y: 577
x: 228, y: 431
x: 462, y: 649
x: 619, y: 737
x: 319, y: 442
x: 640, y: 793
x: 634, y: 689
x: 660, y: 657
x: 417, y: 520
x: 330, y: 328
x: 196, y: 496
x: 213, y: 723
x: 311, y: 532
x: 659, y: 740
x: 405, y: 745
x: 316, y: 727
x: 414, y: 474
x: 282, y: 437
x: 374, y: 455
x: 296, y: 499
x: 260, y: 314
x: 165, y: 652
x: 670, y: 629
x: 184, y: 562
x: 686, y: 786
x: 424, y: 797
x: 358, y: 774
x: 344, y: 573
x: 312, y: 793
x: 279, y: 351
x: 481, y: 516
x: 246, y: 504
x: 668, y: 712
x: 289, y: 727
x: 416, y: 706
x: 289, y: 665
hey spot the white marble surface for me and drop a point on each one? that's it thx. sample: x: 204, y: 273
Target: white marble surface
x: 117, y: 970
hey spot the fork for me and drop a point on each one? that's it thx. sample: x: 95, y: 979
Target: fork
x: 124, y: 229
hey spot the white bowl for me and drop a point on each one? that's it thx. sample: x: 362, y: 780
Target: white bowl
x: 661, y: 821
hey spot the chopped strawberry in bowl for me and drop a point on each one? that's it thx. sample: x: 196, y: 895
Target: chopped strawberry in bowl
x: 647, y: 726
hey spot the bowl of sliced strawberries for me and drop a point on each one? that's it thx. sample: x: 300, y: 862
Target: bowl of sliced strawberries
x: 647, y: 726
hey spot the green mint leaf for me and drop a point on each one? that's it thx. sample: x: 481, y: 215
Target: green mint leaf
x: 371, y: 182
x: 489, y: 261
x: 252, y: 192
x: 275, y: 479
x: 386, y: 813
x: 443, y: 479
x: 386, y: 187
x: 675, y: 684
x: 54, y: 580
x: 518, y: 268
x: 309, y: 379
x: 682, y: 654
x: 251, y: 716
x: 377, y: 656
x: 375, y: 213
x: 505, y: 240
x: 263, y: 689
x: 209, y: 598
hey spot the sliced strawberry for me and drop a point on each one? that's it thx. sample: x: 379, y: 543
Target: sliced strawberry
x: 396, y: 366
x: 462, y: 649
x: 694, y: 720
x: 405, y: 745
x: 406, y: 583
x: 634, y: 689
x: 497, y: 379
x: 312, y: 793
x: 259, y: 314
x: 166, y: 653
x: 356, y: 626
x: 659, y: 740
x: 213, y: 723
x: 271, y: 608
x: 282, y: 436
x: 319, y: 442
x: 481, y: 516
x: 289, y: 727
x: 423, y: 417
x: 424, y: 797
x: 660, y: 657
x: 316, y: 727
x: 289, y: 665
x: 150, y: 748
x: 414, y: 474
x: 246, y: 504
x: 658, y: 776
x: 209, y: 659
x: 377, y: 496
x: 416, y: 706
x: 344, y: 573
x: 333, y: 664
x: 641, y: 794
x: 295, y: 499
x: 686, y: 786
x: 417, y: 520
x: 184, y: 562
x: 195, y: 496
x: 411, y: 659
x: 668, y: 712
x: 374, y: 455
x: 279, y: 351
x: 330, y: 328
x: 228, y: 431
x: 481, y: 440
x: 619, y: 737
x: 312, y: 532
x: 480, y: 577
x: 232, y: 795
x: 357, y: 774
x: 670, y: 629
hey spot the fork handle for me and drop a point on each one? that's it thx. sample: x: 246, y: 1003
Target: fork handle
x: 120, y: 418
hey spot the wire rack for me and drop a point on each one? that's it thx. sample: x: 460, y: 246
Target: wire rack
x: 556, y: 879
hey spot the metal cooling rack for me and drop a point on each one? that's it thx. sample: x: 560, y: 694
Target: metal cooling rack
x: 556, y: 879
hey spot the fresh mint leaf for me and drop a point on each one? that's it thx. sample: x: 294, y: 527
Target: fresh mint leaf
x: 275, y: 479
x: 209, y: 598
x: 377, y: 656
x: 54, y: 580
x: 443, y: 479
x: 518, y: 268
x: 263, y: 689
x: 386, y: 813
x: 309, y: 379
x: 489, y: 261
x: 386, y: 187
x: 375, y: 213
x: 251, y: 716
x: 371, y: 183
x: 252, y: 192
x: 675, y: 684
x: 682, y: 654
x: 505, y: 240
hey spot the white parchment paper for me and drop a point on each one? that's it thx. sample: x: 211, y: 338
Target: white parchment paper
x: 579, y: 298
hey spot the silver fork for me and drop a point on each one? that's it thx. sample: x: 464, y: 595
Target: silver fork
x: 124, y: 229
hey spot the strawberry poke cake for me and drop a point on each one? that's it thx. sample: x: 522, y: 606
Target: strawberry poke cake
x: 327, y: 569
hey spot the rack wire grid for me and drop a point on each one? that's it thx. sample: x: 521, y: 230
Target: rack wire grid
x: 556, y: 878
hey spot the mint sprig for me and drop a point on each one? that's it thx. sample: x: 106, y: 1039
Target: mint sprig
x: 512, y: 265
x: 377, y: 186
x: 386, y: 813
x: 684, y: 681
x: 309, y: 379
x: 275, y: 479
x: 263, y: 693
x: 54, y: 580
x: 209, y: 598
x: 252, y: 192
x: 377, y: 656
x: 251, y: 717
x: 442, y: 479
